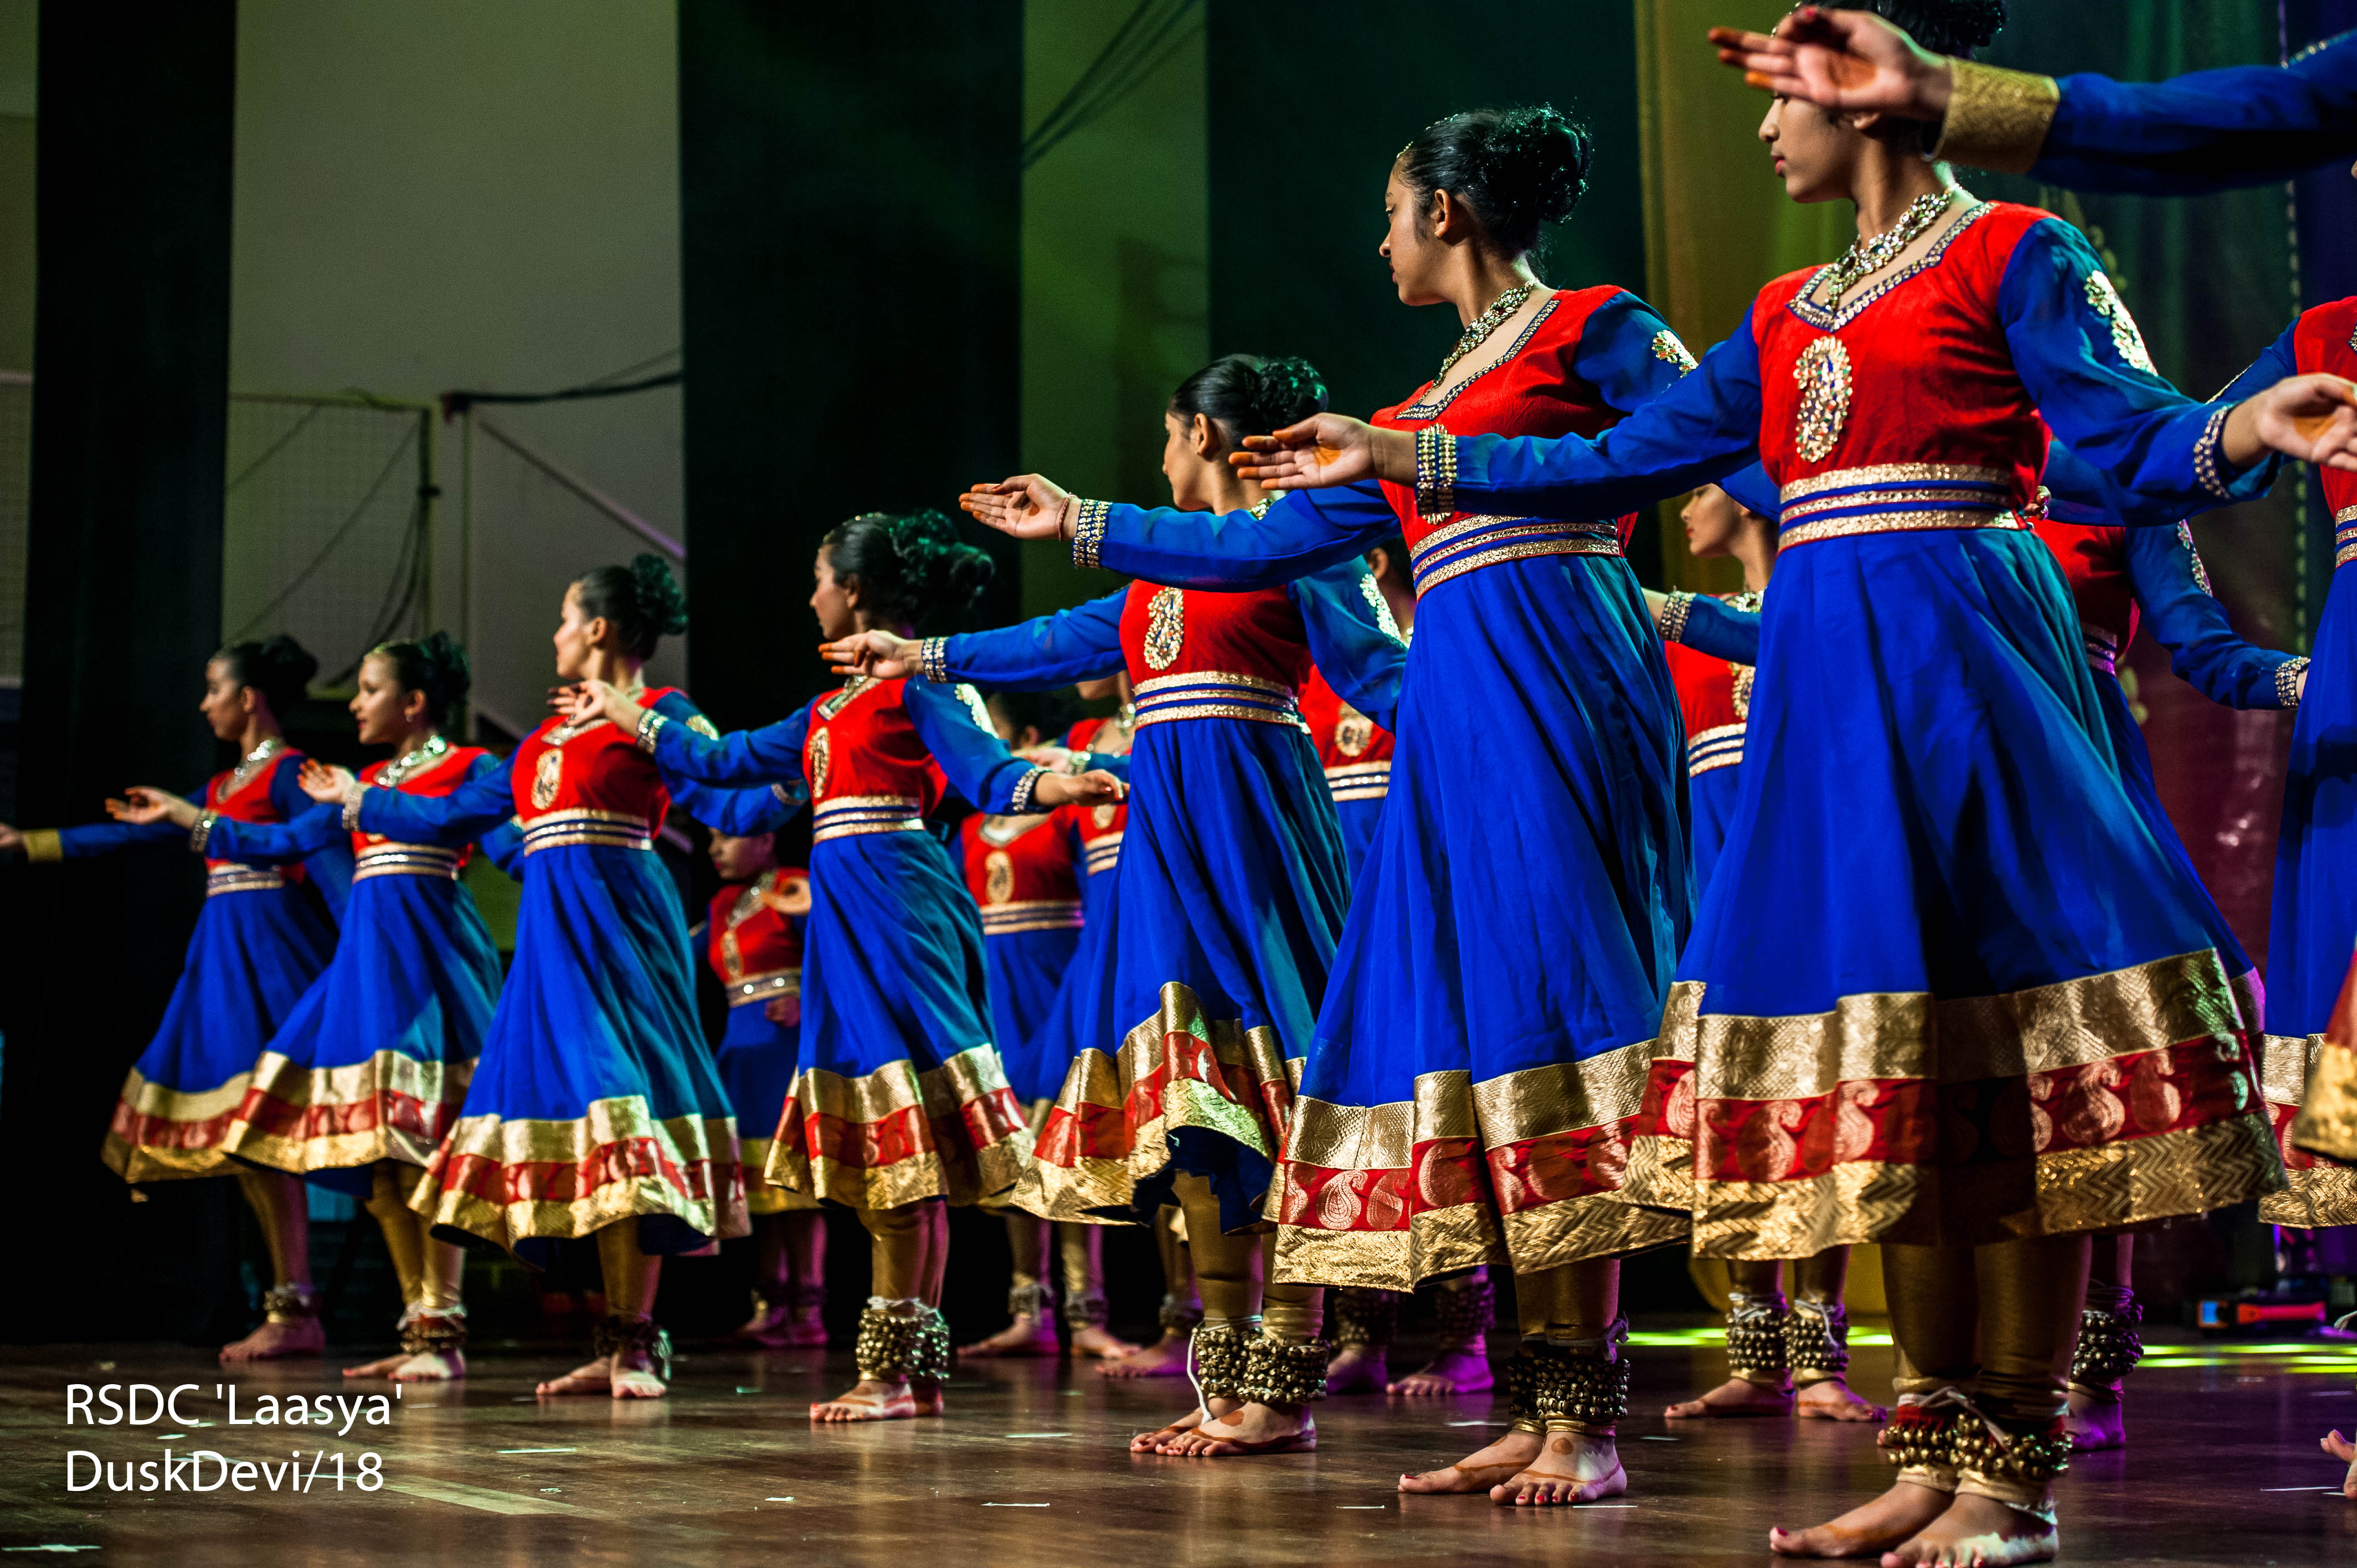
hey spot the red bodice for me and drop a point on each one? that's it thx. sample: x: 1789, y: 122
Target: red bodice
x: 1344, y: 737
x: 1098, y: 827
x: 862, y: 745
x: 596, y: 767
x: 1714, y: 698
x: 2325, y: 340
x: 440, y: 776
x: 1034, y: 866
x: 1533, y: 389
x: 247, y: 799
x: 748, y: 937
x: 2096, y: 564
x: 1182, y: 631
x: 1912, y: 371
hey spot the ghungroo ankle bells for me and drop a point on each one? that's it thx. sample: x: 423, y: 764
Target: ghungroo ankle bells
x: 1920, y: 1439
x: 288, y: 1303
x: 1579, y: 1385
x: 1816, y: 1340
x: 2108, y: 1347
x: 1282, y: 1374
x: 620, y: 1334
x: 1363, y: 1318
x: 2016, y: 1468
x: 442, y: 1332
x: 1216, y: 1355
x: 1463, y: 1309
x: 1085, y: 1309
x: 1179, y: 1315
x: 1756, y: 1337
x: 892, y: 1347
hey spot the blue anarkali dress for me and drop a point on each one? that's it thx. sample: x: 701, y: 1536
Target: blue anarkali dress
x: 594, y: 1102
x: 1231, y: 883
x: 263, y: 937
x: 1476, y: 1068
x: 1948, y: 986
x: 756, y: 950
x: 1026, y: 882
x: 898, y: 1092
x: 373, y: 1062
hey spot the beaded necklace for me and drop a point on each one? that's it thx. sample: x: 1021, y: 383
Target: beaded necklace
x: 1478, y: 330
x: 402, y: 767
x: 1866, y: 257
x: 251, y: 763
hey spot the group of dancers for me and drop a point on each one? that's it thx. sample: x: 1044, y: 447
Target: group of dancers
x: 1840, y: 910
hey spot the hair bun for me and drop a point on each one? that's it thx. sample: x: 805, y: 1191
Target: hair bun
x: 446, y: 666
x: 660, y: 599
x: 287, y: 663
x: 1514, y: 170
x: 1539, y: 160
x: 1289, y: 390
x: 1946, y: 27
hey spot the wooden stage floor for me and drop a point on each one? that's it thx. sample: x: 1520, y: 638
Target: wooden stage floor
x: 1030, y: 1467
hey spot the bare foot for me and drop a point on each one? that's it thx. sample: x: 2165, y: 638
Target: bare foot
x: 1977, y: 1532
x: 589, y: 1378
x: 382, y: 1367
x: 871, y: 1400
x: 1465, y: 1371
x: 2341, y: 1449
x: 1867, y: 1532
x: 1736, y: 1396
x: 634, y: 1377
x: 1571, y: 1468
x: 1152, y: 1442
x: 1165, y: 1358
x: 1029, y: 1334
x: 1091, y: 1340
x: 1831, y: 1399
x: 1481, y: 1469
x: 1250, y: 1429
x: 768, y: 1328
x: 431, y: 1366
x: 272, y: 1341
x: 1357, y: 1369
x: 2094, y: 1423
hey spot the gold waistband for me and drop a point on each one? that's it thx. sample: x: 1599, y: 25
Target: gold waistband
x: 247, y: 879
x: 762, y: 987
x: 1894, y: 498
x: 849, y: 816
x: 1103, y: 854
x: 405, y: 860
x: 2344, y: 536
x: 1360, y: 780
x: 1719, y: 747
x: 1030, y: 915
x: 614, y: 830
x: 1216, y: 695
x: 1469, y: 543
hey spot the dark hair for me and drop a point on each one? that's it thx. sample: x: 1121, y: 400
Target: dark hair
x: 641, y: 601
x: 1247, y: 395
x: 912, y: 570
x: 1516, y: 168
x: 279, y: 668
x: 1944, y: 27
x: 1050, y: 712
x: 1396, y: 561
x: 437, y: 667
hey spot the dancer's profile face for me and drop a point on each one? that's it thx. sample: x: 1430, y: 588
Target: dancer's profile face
x: 386, y: 710
x: 577, y: 635
x: 834, y: 601
x: 742, y: 859
x: 1813, y: 151
x: 1713, y: 519
x: 1412, y: 242
x: 1194, y: 451
x: 228, y: 700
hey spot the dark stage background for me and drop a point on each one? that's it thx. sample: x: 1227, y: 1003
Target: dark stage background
x: 853, y: 283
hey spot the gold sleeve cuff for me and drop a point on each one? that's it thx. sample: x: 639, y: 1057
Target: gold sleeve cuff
x: 45, y: 843
x: 1996, y: 118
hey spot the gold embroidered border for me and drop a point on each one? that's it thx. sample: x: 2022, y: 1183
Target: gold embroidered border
x: 1895, y: 521
x: 581, y: 825
x: 246, y: 879
x: 1030, y: 915
x: 405, y: 860
x: 763, y: 1196
x: 1091, y: 1092
x: 2317, y: 1197
x: 763, y: 987
x: 147, y: 1100
x: 2072, y: 1022
x: 1499, y: 554
x: 439, y: 1085
x: 1997, y: 119
x: 1438, y: 1241
x: 2327, y: 1123
x: 941, y: 1097
x: 682, y: 1144
x: 1891, y: 474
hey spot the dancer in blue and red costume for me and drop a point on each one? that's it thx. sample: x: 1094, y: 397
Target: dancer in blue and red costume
x: 266, y: 934
x: 1927, y: 763
x: 1355, y: 751
x: 899, y: 1101
x: 364, y: 1079
x: 1480, y: 1057
x: 753, y: 938
x: 1025, y: 875
x: 1232, y: 892
x: 594, y: 1110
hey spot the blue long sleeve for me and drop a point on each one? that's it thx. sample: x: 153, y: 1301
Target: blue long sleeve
x: 2208, y: 131
x: 770, y: 755
x: 272, y: 844
x: 977, y: 762
x: 740, y: 813
x: 1352, y: 640
x: 1629, y: 354
x: 466, y: 814
x: 2278, y: 361
x: 329, y: 864
x: 1039, y: 655
x: 2203, y: 647
x: 1703, y: 428
x: 1710, y: 625
x: 104, y: 838
x: 1302, y: 532
x: 503, y: 847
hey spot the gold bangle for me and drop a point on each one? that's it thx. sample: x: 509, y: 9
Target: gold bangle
x: 1996, y: 118
x: 45, y: 843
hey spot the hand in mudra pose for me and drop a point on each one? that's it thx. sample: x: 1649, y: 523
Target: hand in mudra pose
x: 148, y: 804
x: 323, y: 781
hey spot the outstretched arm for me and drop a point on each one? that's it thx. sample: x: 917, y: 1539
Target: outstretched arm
x: 1707, y: 624
x: 474, y: 808
x: 1351, y: 638
x: 740, y: 813
x: 978, y: 764
x: 1037, y: 655
x: 741, y: 758
x: 269, y: 844
x: 2203, y: 647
